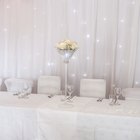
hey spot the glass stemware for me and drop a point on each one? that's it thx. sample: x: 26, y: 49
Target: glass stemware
x: 16, y: 92
x: 117, y: 92
x: 70, y: 89
x: 67, y: 102
x: 115, y: 96
x: 24, y: 93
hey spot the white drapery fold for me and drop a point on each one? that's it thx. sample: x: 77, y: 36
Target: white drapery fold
x: 107, y: 32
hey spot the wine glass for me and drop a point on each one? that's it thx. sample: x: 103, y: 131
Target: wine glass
x: 70, y: 89
x: 16, y: 92
x: 118, y: 92
x: 111, y: 99
x: 24, y: 93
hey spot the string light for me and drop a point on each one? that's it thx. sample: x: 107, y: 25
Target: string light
x: 123, y: 61
x: 88, y: 35
x: 133, y: 2
x: 35, y: 26
x: 104, y: 19
x: 35, y: 8
x: 61, y: 25
x: 88, y: 58
x: 73, y: 75
x: 8, y: 6
x: 74, y: 11
x: 85, y: 75
x: 97, y: 40
x: 122, y: 20
x: 120, y: 46
x: 136, y: 82
x: 40, y: 71
x: 73, y: 57
x: 50, y: 63
x: 5, y: 29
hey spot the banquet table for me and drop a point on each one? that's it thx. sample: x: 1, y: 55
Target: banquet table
x: 41, y: 118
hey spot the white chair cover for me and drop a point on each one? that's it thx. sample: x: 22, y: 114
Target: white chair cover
x: 0, y: 83
x: 93, y: 88
x: 18, y: 85
x: 132, y: 93
x: 49, y: 85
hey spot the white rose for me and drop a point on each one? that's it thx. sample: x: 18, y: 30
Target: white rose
x: 67, y: 45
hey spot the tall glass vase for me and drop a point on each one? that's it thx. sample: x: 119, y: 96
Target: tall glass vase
x: 66, y: 54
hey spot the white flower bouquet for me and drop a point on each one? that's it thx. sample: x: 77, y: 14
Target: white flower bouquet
x: 67, y: 45
x: 66, y: 48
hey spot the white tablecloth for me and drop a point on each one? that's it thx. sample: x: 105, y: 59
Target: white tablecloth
x: 41, y: 118
x: 87, y: 119
x: 18, y: 117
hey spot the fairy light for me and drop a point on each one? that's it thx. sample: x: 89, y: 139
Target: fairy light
x: 73, y: 57
x: 85, y: 75
x: 97, y: 40
x: 35, y: 26
x: 73, y: 75
x: 122, y: 20
x: 8, y: 6
x: 120, y: 46
x: 74, y: 11
x: 5, y: 29
x: 133, y: 2
x: 40, y: 71
x: 104, y: 18
x: 87, y: 57
x: 136, y: 82
x: 50, y: 63
x: 123, y: 61
x: 35, y: 8
x: 88, y: 35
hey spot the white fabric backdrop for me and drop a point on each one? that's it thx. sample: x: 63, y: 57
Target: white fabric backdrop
x: 107, y: 32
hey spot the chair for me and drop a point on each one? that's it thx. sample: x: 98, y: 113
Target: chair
x: 93, y: 88
x: 0, y: 83
x: 49, y: 85
x: 18, y: 85
x: 131, y: 93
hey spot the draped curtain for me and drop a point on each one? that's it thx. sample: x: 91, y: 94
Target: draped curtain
x: 107, y: 33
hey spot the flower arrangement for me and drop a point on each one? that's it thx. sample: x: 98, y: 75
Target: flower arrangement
x: 66, y: 49
x: 67, y: 45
